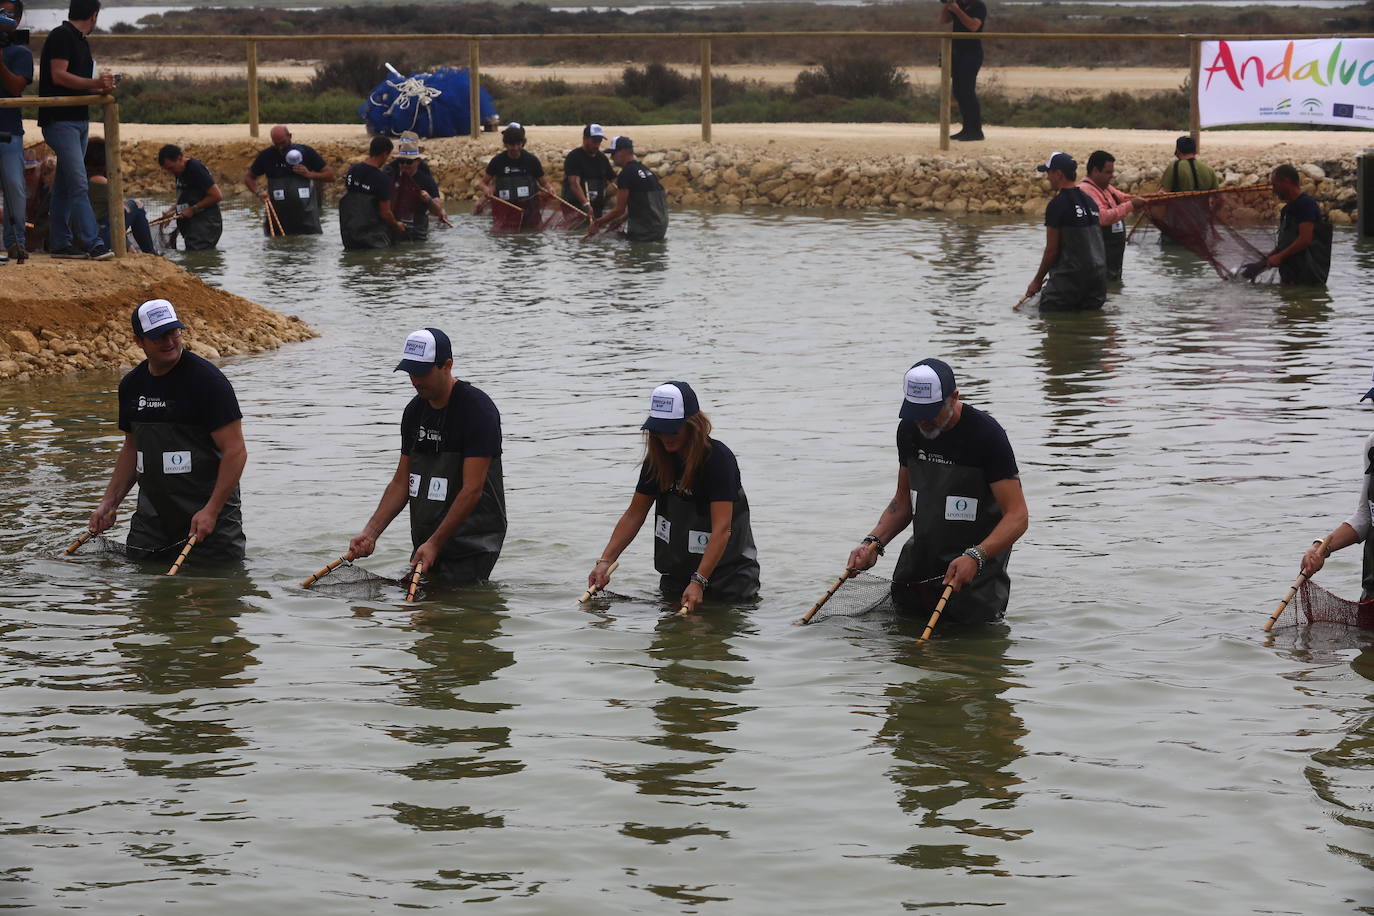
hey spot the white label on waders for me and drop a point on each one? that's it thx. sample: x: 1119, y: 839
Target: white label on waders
x: 913, y: 502
x: 522, y: 191
x: 961, y: 509
x: 438, y: 488
x: 176, y: 462
x: 414, y: 484
x: 138, y: 462
x: 504, y: 193
x: 1118, y: 227
x: 662, y: 528
x: 697, y: 541
x: 279, y: 193
x: 303, y: 193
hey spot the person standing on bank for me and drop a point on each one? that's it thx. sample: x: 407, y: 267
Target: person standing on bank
x: 1186, y: 173
x: 449, y: 471
x: 66, y: 68
x: 1073, y: 270
x: 183, y: 446
x: 294, y: 174
x: 587, y: 172
x: 16, y: 72
x: 966, y: 59
x: 513, y: 176
x: 703, y: 543
x: 638, y: 194
x: 959, y: 488
x: 414, y: 193
x: 198, y: 197
x: 1113, y: 207
x: 1302, y: 251
x: 365, y: 217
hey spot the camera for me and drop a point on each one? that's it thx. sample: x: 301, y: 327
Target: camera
x: 14, y: 37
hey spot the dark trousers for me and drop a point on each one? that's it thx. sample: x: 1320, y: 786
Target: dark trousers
x: 964, y: 67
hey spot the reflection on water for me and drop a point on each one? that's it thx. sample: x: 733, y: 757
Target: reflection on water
x: 503, y: 745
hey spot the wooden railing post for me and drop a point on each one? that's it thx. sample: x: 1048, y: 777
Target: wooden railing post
x: 115, y: 178
x: 253, y: 89
x: 946, y: 89
x: 706, y: 90
x: 474, y: 88
x: 1194, y: 107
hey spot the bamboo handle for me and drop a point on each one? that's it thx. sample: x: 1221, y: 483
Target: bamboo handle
x: 1176, y: 195
x: 1302, y: 577
x: 683, y: 611
x: 935, y: 617
x: 327, y: 570
x: 592, y: 591
x: 806, y: 618
x: 506, y: 203
x: 273, y: 220
x: 569, y: 204
x: 414, y: 581
x: 76, y: 544
x: 1024, y: 300
x: 1138, y: 221
x: 181, y: 557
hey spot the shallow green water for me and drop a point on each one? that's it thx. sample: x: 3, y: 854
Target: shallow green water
x: 1125, y: 742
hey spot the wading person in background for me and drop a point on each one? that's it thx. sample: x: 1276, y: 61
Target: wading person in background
x: 414, y: 193
x: 587, y: 172
x: 959, y: 488
x: 66, y: 68
x: 294, y: 173
x: 1302, y: 250
x: 1354, y: 530
x: 449, y: 471
x: 1073, y: 270
x: 197, y: 208
x: 365, y: 217
x: 515, y: 176
x: 16, y: 72
x: 703, y: 544
x: 639, y: 198
x: 1186, y: 173
x: 1113, y: 207
x: 966, y: 59
x: 183, y: 446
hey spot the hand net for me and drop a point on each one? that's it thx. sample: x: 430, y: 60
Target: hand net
x: 1227, y: 228
x: 110, y: 549
x: 1314, y: 604
x: 353, y: 581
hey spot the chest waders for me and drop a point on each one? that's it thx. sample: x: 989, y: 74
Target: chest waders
x: 410, y: 208
x: 297, y: 202
x: 1312, y: 265
x: 202, y: 230
x: 648, y: 219
x: 953, y: 509
x: 469, y: 555
x: 1078, y: 279
x: 177, y: 466
x: 594, y: 188
x: 360, y: 223
x: 1114, y: 246
x: 682, y: 531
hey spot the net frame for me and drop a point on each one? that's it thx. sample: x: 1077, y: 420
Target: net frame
x: 1315, y: 605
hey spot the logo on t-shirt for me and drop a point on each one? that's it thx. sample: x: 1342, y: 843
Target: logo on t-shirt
x: 147, y: 403
x: 933, y: 457
x: 429, y: 435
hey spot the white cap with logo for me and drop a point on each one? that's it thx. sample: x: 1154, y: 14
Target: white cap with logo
x: 155, y: 318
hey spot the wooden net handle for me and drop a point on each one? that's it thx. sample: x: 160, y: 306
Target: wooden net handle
x: 181, y: 557
x: 1297, y: 584
x: 935, y: 617
x: 592, y: 591
x: 844, y: 576
x: 76, y: 544
x: 414, y: 581
x: 327, y: 570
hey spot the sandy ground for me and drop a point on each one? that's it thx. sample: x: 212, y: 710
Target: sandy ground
x: 839, y: 141
x: 1014, y: 81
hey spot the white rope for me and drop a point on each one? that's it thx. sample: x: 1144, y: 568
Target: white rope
x: 410, y: 90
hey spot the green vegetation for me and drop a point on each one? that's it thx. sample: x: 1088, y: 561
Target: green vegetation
x: 163, y: 100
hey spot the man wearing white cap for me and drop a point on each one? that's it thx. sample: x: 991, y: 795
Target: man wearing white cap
x: 639, y: 198
x: 959, y: 488
x: 587, y: 172
x: 449, y: 472
x: 294, y: 173
x: 1073, y: 270
x: 183, y: 446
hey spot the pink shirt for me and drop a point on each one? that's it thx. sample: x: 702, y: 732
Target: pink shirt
x: 1113, y: 204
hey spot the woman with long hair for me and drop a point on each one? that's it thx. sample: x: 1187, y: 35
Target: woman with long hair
x: 703, y: 544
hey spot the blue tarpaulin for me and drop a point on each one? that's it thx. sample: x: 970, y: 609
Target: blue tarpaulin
x: 431, y: 104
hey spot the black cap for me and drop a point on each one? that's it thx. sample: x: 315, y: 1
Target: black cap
x: 1058, y: 162
x: 1185, y: 146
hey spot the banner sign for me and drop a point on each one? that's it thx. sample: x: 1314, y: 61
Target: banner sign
x: 1313, y: 81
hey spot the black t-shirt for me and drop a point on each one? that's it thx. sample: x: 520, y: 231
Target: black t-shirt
x: 588, y: 166
x: 526, y: 164
x: 368, y: 179
x: 975, y: 9
x: 717, y: 481
x: 1301, y: 209
x: 194, y: 393
x: 64, y: 43
x: 195, y: 178
x: 636, y: 178
x: 423, y: 177
x: 1070, y: 208
x: 272, y: 161
x: 469, y: 423
x: 977, y: 440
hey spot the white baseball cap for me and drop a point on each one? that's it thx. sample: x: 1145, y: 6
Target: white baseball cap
x: 423, y: 350
x: 155, y: 318
x: 926, y: 386
x: 669, y: 407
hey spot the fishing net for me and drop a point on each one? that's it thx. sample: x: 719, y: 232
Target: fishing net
x: 353, y: 581
x: 1227, y: 228
x: 1314, y: 604
x: 110, y: 549
x: 862, y: 595
x: 533, y: 215
x: 430, y: 104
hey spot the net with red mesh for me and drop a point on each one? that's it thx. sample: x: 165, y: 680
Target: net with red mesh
x: 536, y: 214
x: 1314, y: 604
x: 1230, y: 228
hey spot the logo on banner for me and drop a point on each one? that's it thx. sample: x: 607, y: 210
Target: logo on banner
x: 1342, y: 110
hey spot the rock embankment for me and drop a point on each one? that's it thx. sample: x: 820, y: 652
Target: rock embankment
x: 739, y: 176
x: 72, y: 315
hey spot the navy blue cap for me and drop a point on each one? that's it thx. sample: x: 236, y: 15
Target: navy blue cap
x: 1058, y: 162
x: 424, y: 349
x: 620, y: 143
x: 926, y: 387
x: 669, y: 407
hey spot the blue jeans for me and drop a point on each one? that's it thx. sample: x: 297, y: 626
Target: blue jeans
x: 136, y: 221
x: 70, y: 213
x: 12, y: 181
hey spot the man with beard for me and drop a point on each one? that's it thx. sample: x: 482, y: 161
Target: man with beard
x: 294, y: 174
